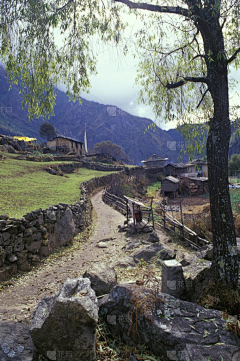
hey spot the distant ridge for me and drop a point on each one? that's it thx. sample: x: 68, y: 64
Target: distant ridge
x: 103, y: 122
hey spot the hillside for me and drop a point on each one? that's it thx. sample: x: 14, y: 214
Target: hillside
x: 104, y: 122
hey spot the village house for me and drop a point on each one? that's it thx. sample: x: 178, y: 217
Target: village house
x: 198, y: 166
x: 155, y: 161
x: 27, y: 140
x: 175, y: 169
x: 170, y: 186
x: 66, y: 145
x: 196, y: 185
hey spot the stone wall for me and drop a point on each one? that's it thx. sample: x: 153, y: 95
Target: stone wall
x: 24, y: 241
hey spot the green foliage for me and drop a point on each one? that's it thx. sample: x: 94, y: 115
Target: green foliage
x: 111, y: 150
x: 27, y: 186
x: 153, y: 189
x: 42, y: 42
x: 234, y: 164
x: 47, y: 131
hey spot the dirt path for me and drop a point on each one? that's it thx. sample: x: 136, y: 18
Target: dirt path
x: 18, y: 300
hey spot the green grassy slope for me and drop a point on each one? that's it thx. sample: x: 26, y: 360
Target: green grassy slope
x: 26, y: 186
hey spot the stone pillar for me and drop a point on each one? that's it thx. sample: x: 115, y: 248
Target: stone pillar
x: 173, y: 281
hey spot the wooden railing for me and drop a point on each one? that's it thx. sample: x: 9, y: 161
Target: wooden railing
x: 118, y: 203
x: 168, y: 222
x: 163, y: 220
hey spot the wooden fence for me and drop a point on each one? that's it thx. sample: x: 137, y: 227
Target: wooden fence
x: 118, y: 203
x: 163, y: 220
x: 168, y: 222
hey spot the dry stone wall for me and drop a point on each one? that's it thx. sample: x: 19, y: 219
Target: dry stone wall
x: 24, y: 241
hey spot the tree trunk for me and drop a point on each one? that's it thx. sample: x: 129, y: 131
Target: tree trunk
x: 225, y: 259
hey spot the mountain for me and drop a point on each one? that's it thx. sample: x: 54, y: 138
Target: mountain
x: 103, y: 122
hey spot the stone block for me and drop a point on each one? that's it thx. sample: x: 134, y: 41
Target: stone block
x: 44, y: 251
x: 33, y: 246
x: 173, y: 281
x: 19, y: 245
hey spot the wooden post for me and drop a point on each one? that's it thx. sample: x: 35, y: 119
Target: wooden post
x: 182, y: 219
x: 164, y: 219
x: 173, y: 217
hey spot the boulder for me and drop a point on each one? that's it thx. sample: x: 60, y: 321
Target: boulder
x: 103, y: 278
x: 131, y: 245
x: 15, y: 342
x: 206, y: 252
x: 125, y: 262
x: 173, y: 329
x: 63, y: 327
x: 153, y: 237
x: 64, y: 229
x: 155, y: 250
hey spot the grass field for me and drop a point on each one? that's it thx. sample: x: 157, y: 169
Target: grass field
x: 26, y: 186
x: 153, y: 189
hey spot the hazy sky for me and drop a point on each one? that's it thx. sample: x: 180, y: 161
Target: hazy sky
x: 115, y: 82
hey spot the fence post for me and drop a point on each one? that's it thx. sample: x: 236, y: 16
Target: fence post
x: 182, y: 220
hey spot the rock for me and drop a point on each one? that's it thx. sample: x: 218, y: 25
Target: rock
x: 102, y: 245
x: 24, y: 266
x: 65, y: 324
x: 51, y: 215
x: 6, y: 237
x: 131, y: 245
x: 173, y: 281
x: 30, y: 216
x: 19, y: 245
x: 185, y: 262
x: 153, y: 237
x: 103, y: 278
x: 148, y: 252
x: 12, y: 258
x: 171, y: 328
x: 125, y: 262
x: 15, y: 342
x: 206, y: 252
x: 44, y: 251
x: 64, y: 229
x: 33, y: 246
x: 4, y: 217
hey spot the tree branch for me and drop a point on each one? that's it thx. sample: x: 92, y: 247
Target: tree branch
x: 64, y: 6
x: 156, y: 8
x: 185, y: 80
x: 202, y: 98
x: 234, y: 56
x: 175, y: 85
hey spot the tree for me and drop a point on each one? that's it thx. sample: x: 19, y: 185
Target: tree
x: 47, y: 131
x: 46, y: 41
x: 185, y: 68
x: 234, y: 164
x: 111, y: 150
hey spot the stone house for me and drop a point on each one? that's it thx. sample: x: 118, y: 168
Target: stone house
x: 155, y: 161
x: 200, y: 166
x: 66, y: 145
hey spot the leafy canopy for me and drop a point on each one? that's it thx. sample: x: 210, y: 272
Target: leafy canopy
x: 43, y: 42
x: 47, y: 131
x: 112, y: 150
